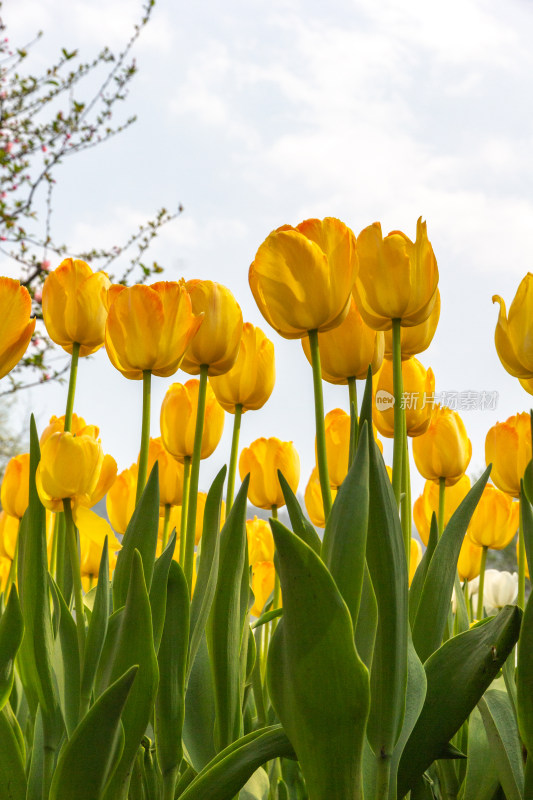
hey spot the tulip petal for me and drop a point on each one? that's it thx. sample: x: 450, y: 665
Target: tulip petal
x: 504, y: 345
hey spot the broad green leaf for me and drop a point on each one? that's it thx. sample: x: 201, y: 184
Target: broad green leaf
x: 417, y: 584
x: 97, y: 628
x: 458, y: 674
x: 87, y: 758
x: 199, y: 724
x: 344, y: 544
x: 141, y: 535
x: 266, y: 617
x: 300, y: 524
x: 12, y: 775
x: 11, y: 632
x: 257, y: 787
x: 36, y: 766
x: 434, y: 605
x: 527, y: 527
x: 206, y: 579
x: 67, y: 663
x: 225, y: 624
x: 505, y: 747
x: 172, y: 659
x: 228, y: 772
x: 132, y: 644
x: 158, y: 590
x: 318, y: 685
x: 481, y: 780
x: 524, y: 672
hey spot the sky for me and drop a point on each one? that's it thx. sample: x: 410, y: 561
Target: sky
x: 254, y: 115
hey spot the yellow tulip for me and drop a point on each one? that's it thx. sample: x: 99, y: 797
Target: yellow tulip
x: 5, y: 568
x: 170, y: 474
x: 415, y: 558
x: 349, y: 349
x: 200, y: 511
x: 120, y: 500
x: 428, y: 503
x: 78, y: 427
x: 217, y: 342
x: 495, y: 519
x: 69, y: 468
x: 313, y: 500
x: 178, y: 420
x: 418, y: 397
x: 469, y: 561
x: 149, y: 328
x: 251, y: 379
x: 263, y: 579
x: 16, y: 327
x: 337, y: 429
x: 15, y: 486
x: 508, y: 449
x: 518, y: 558
x: 9, y: 530
x: 262, y: 460
x: 417, y: 338
x: 514, y: 333
x: 444, y: 450
x: 397, y: 277
x: 260, y: 541
x: 302, y: 277
x: 92, y: 538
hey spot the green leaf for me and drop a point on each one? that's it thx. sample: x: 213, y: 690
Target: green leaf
x: 206, y: 579
x: 141, y: 535
x: 172, y: 658
x: 97, y: 627
x: 266, y: 617
x: 199, y: 724
x: 524, y: 672
x: 318, y: 685
x: 257, y: 787
x: 432, y: 613
x: 228, y: 772
x: 67, y: 662
x: 158, y: 591
x: 300, y: 524
x: 481, y: 780
x: 225, y: 624
x: 12, y: 766
x: 11, y: 632
x: 505, y: 749
x: 36, y: 768
x: 344, y: 545
x: 87, y: 758
x: 527, y: 526
x: 417, y: 584
x: 458, y: 674
x: 367, y: 621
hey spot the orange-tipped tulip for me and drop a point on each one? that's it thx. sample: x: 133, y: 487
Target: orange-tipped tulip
x: 514, y: 333
x: 178, y: 420
x: 302, y: 278
x: 16, y: 327
x: 508, y: 449
x: 418, y: 397
x: 262, y: 460
x: 495, y: 519
x: 444, y: 450
x: 250, y: 381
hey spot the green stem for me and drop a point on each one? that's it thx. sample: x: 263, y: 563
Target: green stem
x: 195, y: 475
x: 49, y: 756
x: 233, y: 456
x: 383, y: 777
x: 169, y: 784
x: 354, y: 422
x: 319, y: 422
x: 479, y: 614
x: 145, y: 434
x: 442, y: 493
x: 399, y: 412
x: 72, y: 385
x: 76, y: 576
x: 165, y: 526
x: 53, y: 555
x: 406, y: 502
x: 521, y: 599
x: 184, y: 506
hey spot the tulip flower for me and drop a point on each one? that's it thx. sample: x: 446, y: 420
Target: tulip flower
x: 501, y: 589
x: 78, y: 426
x: 418, y: 397
x: 250, y: 381
x: 16, y: 327
x: 262, y: 459
x: 170, y: 472
x: 514, y: 332
x: 313, y: 500
x: 260, y: 541
x: 508, y: 449
x: 415, y: 559
x: 417, y: 338
x: 444, y: 450
x: 495, y: 519
x: 75, y: 306
x: 178, y: 420
x: 397, y: 277
x: 469, y: 561
x: 120, y: 500
x: 15, y: 486
x: 263, y: 580
x: 9, y: 528
x: 428, y: 503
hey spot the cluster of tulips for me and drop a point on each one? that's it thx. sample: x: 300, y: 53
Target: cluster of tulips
x: 181, y: 650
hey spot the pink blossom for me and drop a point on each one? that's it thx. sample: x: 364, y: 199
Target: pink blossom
x: 45, y: 265
x: 38, y: 295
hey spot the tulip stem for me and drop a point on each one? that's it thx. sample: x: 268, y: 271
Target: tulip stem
x: 72, y: 546
x: 399, y: 412
x: 166, y: 522
x: 233, y: 456
x: 320, y: 427
x: 195, y: 474
x: 521, y: 599
x: 184, y: 506
x: 72, y: 385
x: 145, y: 434
x: 354, y: 422
x: 442, y: 500
x: 406, y: 502
x: 479, y: 614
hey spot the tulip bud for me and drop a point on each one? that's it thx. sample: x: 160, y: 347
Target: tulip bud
x: 418, y: 397
x: 250, y: 381
x: 15, y: 486
x: 262, y: 460
x: 495, y: 519
x: 178, y: 420
x: 444, y: 450
x: 508, y: 449
x: 16, y: 327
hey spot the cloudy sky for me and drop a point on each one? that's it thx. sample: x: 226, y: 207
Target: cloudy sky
x: 254, y: 115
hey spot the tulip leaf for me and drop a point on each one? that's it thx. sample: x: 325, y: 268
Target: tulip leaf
x: 257, y: 787
x: 344, y: 544
x: 266, y: 617
x: 528, y: 482
x: 434, y: 605
x: 206, y: 579
x: 131, y: 643
x: 172, y: 659
x: 526, y: 513
x: 225, y: 623
x: 524, y: 672
x: 97, y: 627
x: 12, y: 766
x: 458, y: 674
x: 300, y: 524
x: 36, y: 767
x: 367, y: 621
x: 417, y: 584
x: 87, y: 759
x: 229, y: 771
x: 67, y: 661
x: 158, y: 590
x: 318, y: 685
x: 199, y: 723
x: 11, y: 632
x: 141, y: 535
x: 481, y: 779
x: 505, y: 749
